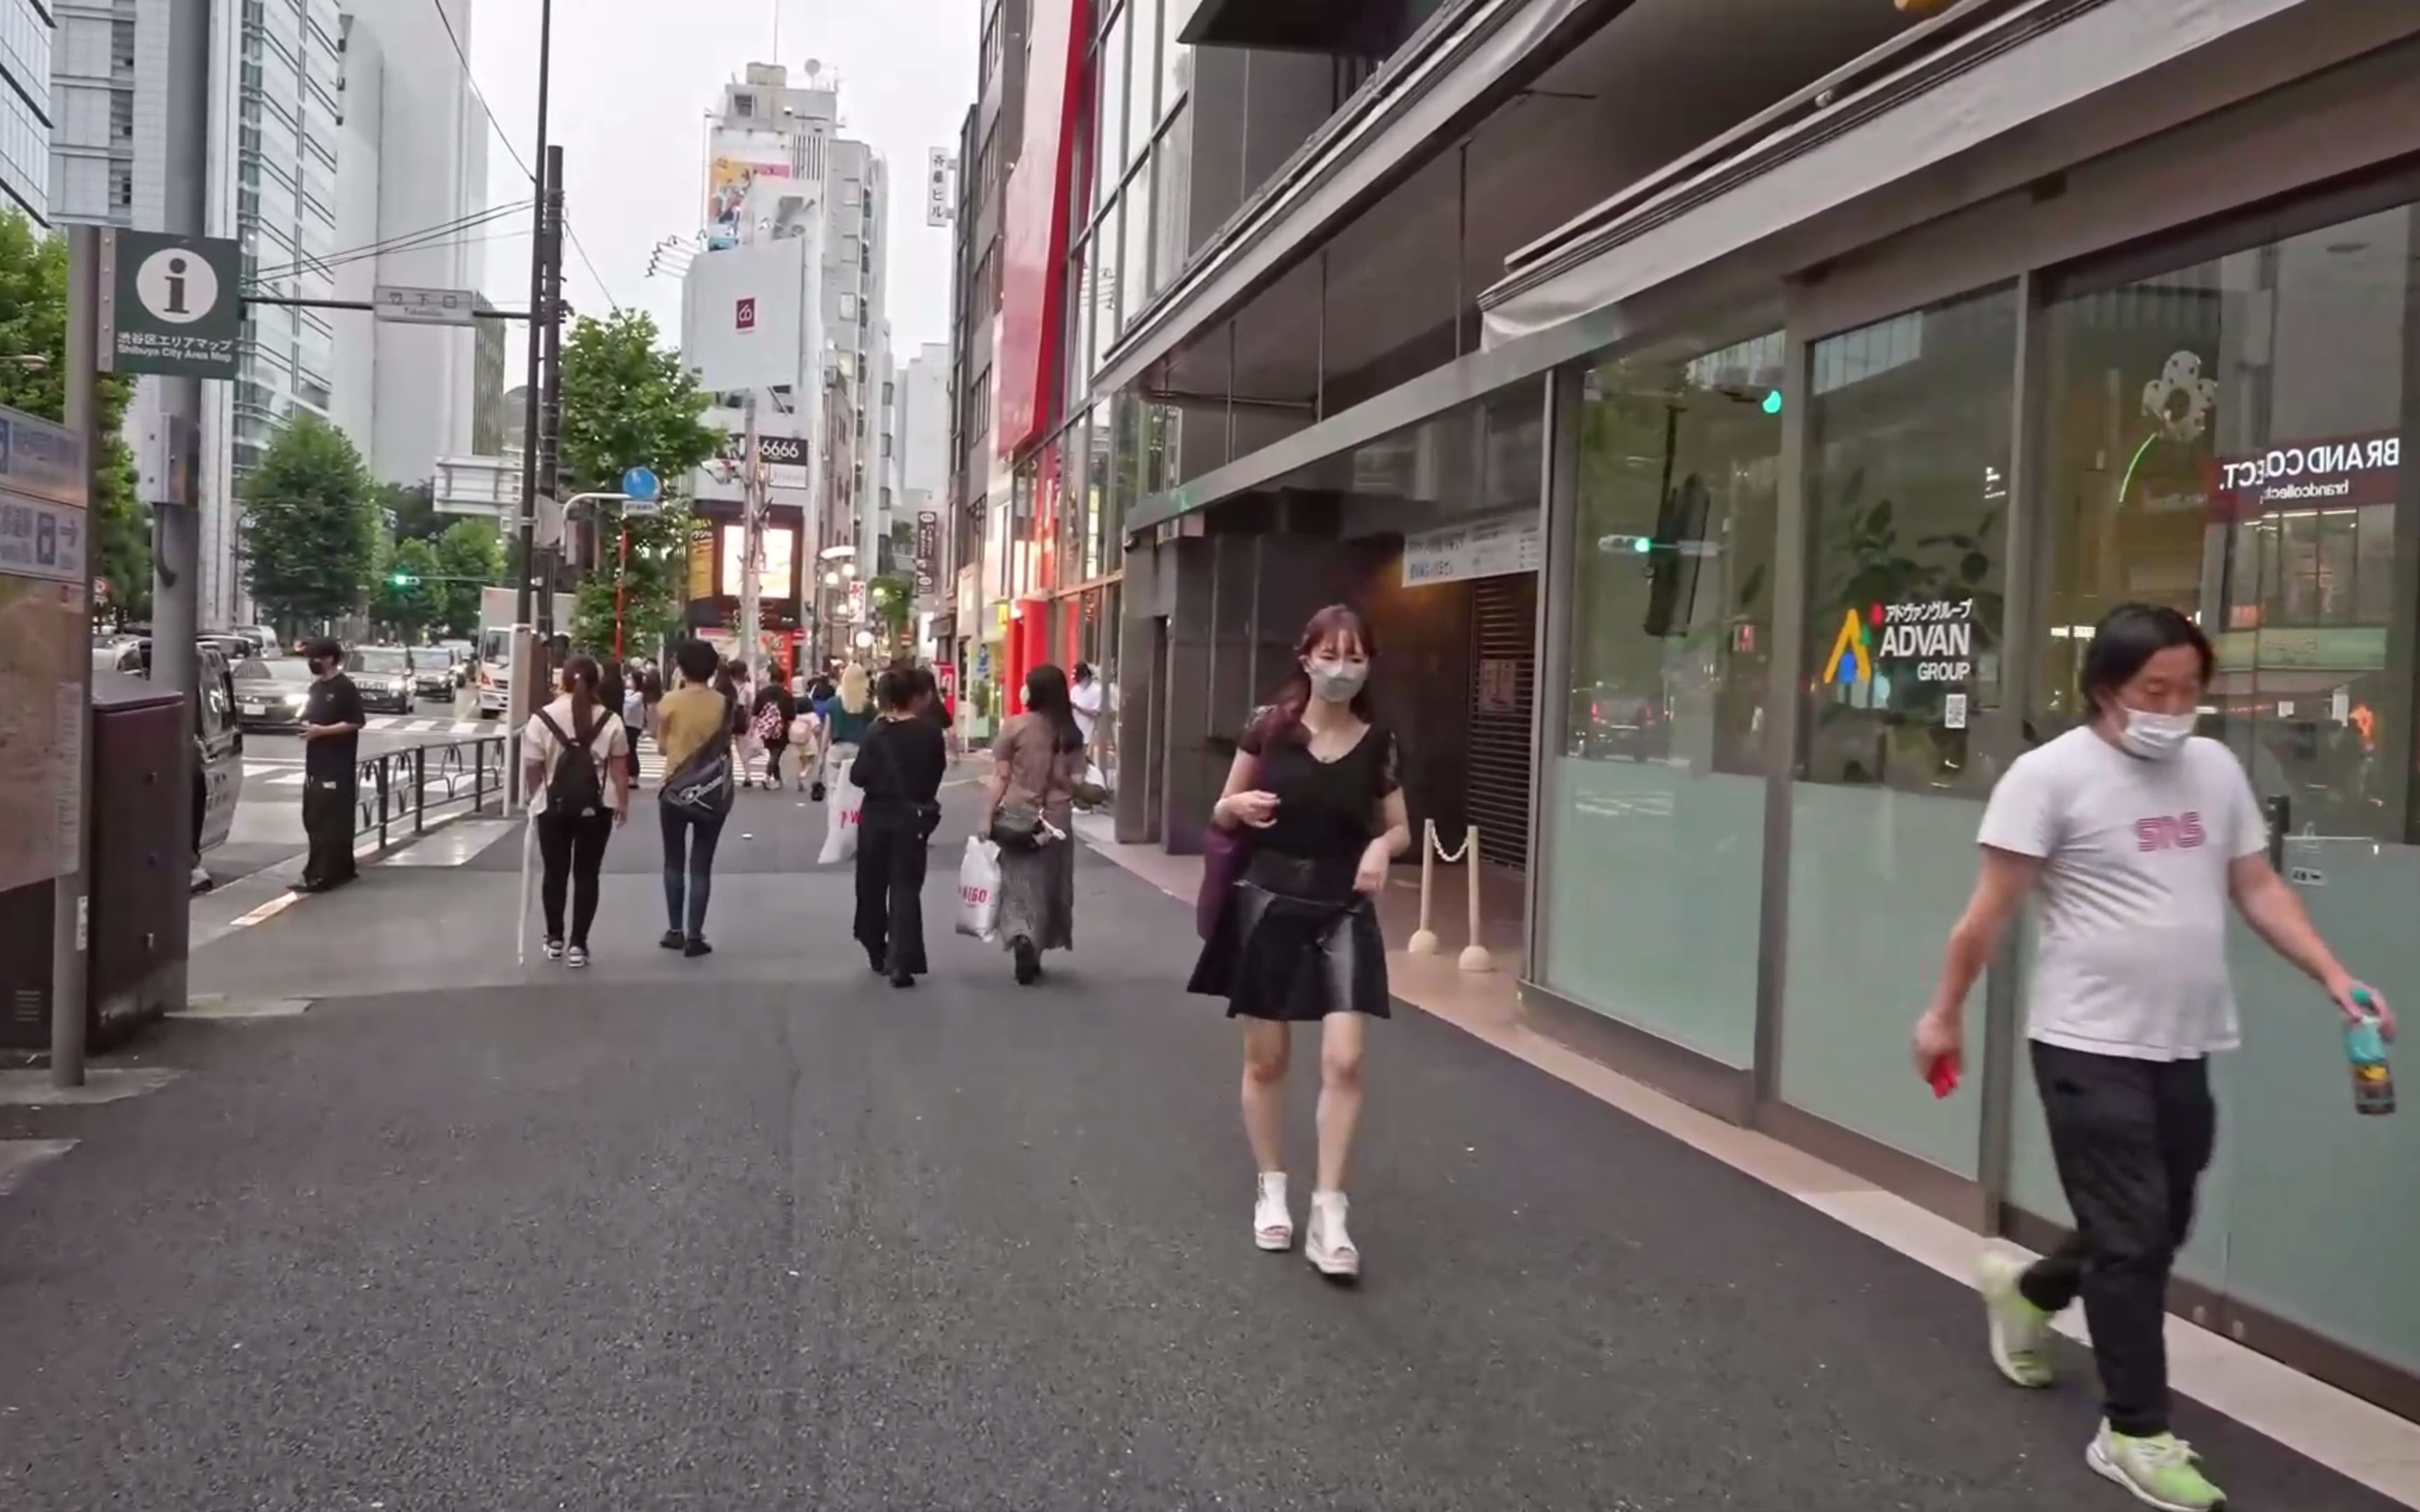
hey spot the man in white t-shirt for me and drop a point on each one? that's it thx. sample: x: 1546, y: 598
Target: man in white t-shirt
x: 2135, y: 834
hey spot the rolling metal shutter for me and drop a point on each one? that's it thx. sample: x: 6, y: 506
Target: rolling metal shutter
x: 1503, y: 685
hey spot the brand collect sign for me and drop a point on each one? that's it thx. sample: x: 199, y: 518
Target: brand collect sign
x: 2341, y: 472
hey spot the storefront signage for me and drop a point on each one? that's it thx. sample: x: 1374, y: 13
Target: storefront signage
x: 1490, y: 548
x: 928, y: 550
x: 1929, y: 641
x: 1938, y: 635
x: 2339, y: 470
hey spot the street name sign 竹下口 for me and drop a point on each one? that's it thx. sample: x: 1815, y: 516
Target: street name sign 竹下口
x: 425, y: 306
x: 170, y: 304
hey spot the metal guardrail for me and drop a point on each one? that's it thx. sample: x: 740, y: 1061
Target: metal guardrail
x: 398, y: 785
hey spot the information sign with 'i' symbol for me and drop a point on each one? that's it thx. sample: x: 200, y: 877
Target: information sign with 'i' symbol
x: 170, y: 304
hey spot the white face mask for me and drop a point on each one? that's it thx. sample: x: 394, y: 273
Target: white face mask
x: 2155, y: 737
x: 1336, y: 680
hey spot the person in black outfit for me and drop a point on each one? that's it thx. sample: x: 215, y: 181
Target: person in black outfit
x: 899, y: 769
x: 331, y: 736
x: 774, y: 693
x: 1318, y: 788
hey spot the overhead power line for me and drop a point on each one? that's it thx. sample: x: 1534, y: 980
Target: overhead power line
x: 471, y: 79
x: 426, y: 237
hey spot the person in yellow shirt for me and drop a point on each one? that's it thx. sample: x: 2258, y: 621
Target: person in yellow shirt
x: 694, y: 727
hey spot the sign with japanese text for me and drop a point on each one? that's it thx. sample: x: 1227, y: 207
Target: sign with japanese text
x: 1490, y: 548
x: 928, y: 549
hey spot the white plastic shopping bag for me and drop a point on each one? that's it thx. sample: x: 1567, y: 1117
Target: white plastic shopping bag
x: 979, y: 889
x: 847, y: 806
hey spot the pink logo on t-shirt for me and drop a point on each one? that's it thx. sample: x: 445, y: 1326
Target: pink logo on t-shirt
x: 2170, y: 832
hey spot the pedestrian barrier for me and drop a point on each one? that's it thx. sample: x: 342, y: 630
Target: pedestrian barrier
x: 398, y: 785
x: 1475, y: 956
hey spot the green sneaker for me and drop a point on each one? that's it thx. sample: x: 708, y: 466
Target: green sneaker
x: 2019, y: 1329
x: 2162, y: 1471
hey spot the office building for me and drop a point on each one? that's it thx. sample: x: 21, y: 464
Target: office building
x: 25, y: 48
x: 1644, y: 390
x: 415, y: 167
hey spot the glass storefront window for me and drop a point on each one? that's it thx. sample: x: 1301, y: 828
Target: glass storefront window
x: 1134, y: 267
x: 1172, y: 192
x: 2226, y: 436
x: 1111, y: 161
x: 1143, y: 78
x: 1656, y: 797
x: 1098, y: 518
x: 1907, y: 452
x: 1101, y: 273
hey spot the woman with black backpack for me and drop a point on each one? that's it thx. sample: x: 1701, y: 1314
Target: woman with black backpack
x: 575, y: 766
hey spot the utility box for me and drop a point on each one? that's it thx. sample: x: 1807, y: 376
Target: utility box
x: 140, y: 886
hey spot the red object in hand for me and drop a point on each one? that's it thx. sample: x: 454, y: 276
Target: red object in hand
x: 1943, y: 1075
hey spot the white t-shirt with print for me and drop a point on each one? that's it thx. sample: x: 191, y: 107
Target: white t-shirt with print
x: 608, y: 738
x: 2132, y: 953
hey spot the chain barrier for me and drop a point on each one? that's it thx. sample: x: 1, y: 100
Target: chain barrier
x: 1475, y: 956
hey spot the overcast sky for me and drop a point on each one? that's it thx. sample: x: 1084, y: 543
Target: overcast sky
x: 632, y: 82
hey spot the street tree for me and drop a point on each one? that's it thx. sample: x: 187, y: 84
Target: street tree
x: 470, y: 557
x: 33, y: 378
x: 308, y: 525
x: 627, y: 402
x: 407, y: 595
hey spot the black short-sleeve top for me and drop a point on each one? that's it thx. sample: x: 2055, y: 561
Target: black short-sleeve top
x: 1326, y: 811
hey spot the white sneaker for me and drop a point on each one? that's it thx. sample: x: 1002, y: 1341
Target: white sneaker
x: 1326, y: 1244
x: 1272, y: 1221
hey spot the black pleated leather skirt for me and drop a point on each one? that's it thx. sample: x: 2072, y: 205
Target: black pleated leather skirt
x: 1295, y: 943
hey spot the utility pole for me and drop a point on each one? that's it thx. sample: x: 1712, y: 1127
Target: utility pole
x: 751, y: 537
x: 541, y: 316
x: 173, y: 449
x: 70, y: 988
x: 550, y: 411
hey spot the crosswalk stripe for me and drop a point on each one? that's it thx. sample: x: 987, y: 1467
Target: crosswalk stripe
x: 397, y: 724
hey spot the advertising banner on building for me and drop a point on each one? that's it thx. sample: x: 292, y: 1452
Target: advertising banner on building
x: 742, y: 316
x: 727, y: 183
x: 928, y: 550
x: 701, y: 561
x: 775, y: 580
x: 937, y: 171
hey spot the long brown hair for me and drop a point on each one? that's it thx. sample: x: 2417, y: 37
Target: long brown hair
x: 580, y: 679
x: 1284, y: 718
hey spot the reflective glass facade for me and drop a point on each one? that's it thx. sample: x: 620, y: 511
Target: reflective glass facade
x: 288, y: 106
x: 25, y: 108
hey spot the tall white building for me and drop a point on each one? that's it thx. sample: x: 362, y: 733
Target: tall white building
x: 414, y: 158
x: 774, y: 151
x: 270, y: 167
x: 25, y: 110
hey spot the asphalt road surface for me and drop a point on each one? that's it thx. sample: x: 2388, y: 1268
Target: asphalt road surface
x: 758, y: 1231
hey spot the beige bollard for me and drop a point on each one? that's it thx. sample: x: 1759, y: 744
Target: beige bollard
x: 1474, y: 955
x: 1424, y: 939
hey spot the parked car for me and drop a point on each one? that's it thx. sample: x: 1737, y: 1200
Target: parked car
x: 269, y: 695
x: 263, y: 639
x: 383, y: 674
x: 218, y: 755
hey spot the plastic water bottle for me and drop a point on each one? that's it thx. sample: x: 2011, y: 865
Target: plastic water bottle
x: 2373, y: 1085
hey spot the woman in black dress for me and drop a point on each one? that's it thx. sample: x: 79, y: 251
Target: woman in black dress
x: 899, y: 767
x: 1317, y: 789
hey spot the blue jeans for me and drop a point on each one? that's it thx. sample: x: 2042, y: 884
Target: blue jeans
x: 696, y: 834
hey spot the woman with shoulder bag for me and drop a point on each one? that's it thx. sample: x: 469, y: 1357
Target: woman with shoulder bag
x: 898, y: 766
x: 1029, y: 814
x: 694, y: 729
x: 1318, y: 788
x: 848, y: 718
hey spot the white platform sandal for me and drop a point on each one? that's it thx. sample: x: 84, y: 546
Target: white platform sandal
x: 1326, y: 1244
x: 1272, y: 1222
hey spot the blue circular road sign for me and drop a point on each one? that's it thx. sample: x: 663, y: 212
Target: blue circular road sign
x: 640, y: 482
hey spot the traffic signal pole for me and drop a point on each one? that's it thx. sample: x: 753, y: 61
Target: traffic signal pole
x: 548, y: 460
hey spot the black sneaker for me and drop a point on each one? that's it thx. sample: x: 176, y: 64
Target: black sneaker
x: 879, y: 961
x: 695, y: 947
x: 903, y: 979
x: 1029, y: 961
x: 673, y: 940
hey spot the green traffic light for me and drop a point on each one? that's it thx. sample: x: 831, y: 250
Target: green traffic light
x: 1642, y: 545
x: 1773, y: 403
